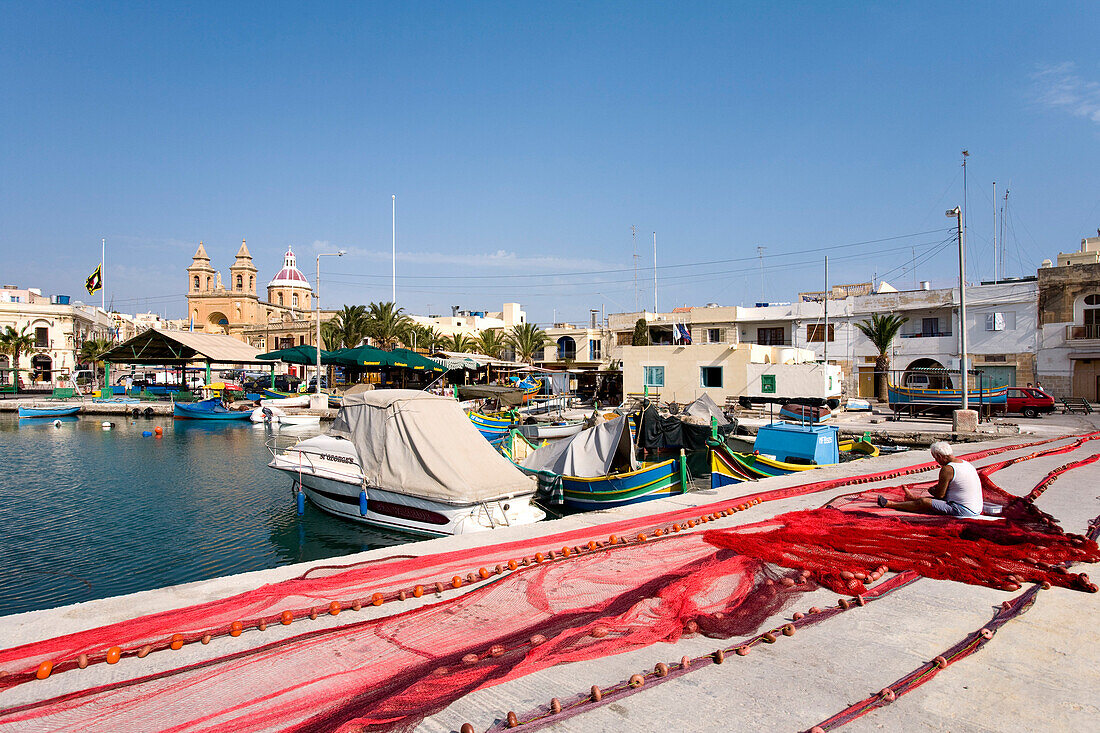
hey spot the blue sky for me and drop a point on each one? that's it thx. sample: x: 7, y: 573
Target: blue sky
x: 524, y: 140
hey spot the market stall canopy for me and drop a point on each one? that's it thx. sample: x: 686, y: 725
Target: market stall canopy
x: 180, y: 347
x: 420, y: 444
x: 301, y: 354
x: 470, y: 360
x: 412, y: 360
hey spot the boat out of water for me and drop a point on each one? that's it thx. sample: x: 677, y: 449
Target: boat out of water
x: 211, y: 409
x: 596, y: 468
x: 48, y: 410
x: 799, y: 412
x: 409, y: 460
x: 923, y: 399
x: 551, y: 430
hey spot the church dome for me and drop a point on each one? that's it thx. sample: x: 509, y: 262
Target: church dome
x: 290, y: 275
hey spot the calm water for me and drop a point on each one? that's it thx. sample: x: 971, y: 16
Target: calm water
x: 87, y: 513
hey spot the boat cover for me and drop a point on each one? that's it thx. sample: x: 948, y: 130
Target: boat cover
x: 597, y: 451
x: 423, y: 445
x: 658, y: 432
x: 706, y: 408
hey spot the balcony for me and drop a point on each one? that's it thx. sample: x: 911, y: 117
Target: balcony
x: 924, y: 335
x: 1081, y: 333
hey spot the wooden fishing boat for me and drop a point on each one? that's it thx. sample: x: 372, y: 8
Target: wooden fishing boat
x: 651, y: 481
x: 211, y: 409
x: 491, y: 426
x: 730, y: 467
x: 515, y: 446
x: 923, y: 399
x: 798, y: 412
x: 47, y: 411
x: 551, y: 430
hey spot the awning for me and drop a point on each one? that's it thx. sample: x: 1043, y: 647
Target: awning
x: 372, y: 357
x: 181, y: 347
x: 301, y: 354
x: 1084, y: 355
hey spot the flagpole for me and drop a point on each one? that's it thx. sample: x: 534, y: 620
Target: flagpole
x: 103, y: 274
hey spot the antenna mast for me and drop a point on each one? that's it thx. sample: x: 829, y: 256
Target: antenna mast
x: 995, y: 254
x: 654, y: 273
x: 760, y: 254
x: 634, y: 241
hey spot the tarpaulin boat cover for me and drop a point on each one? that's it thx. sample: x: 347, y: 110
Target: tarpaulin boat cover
x: 657, y: 432
x: 706, y: 408
x: 424, y: 445
x: 597, y: 451
x: 508, y: 396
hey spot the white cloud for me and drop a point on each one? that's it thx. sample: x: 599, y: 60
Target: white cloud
x: 1060, y: 87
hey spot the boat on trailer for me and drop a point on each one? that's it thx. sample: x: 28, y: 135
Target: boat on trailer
x: 48, y: 410
x: 412, y: 461
x: 597, y: 469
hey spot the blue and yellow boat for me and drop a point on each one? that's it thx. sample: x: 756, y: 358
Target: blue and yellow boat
x: 731, y: 467
x: 926, y: 399
x: 493, y: 427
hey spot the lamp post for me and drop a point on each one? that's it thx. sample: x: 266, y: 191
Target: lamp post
x: 317, y: 307
x: 957, y: 213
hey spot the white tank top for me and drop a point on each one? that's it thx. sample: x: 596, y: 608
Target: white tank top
x: 965, y: 487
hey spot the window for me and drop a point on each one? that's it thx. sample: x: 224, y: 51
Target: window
x: 240, y: 282
x: 251, y: 282
x: 624, y: 338
x: 770, y: 336
x: 653, y: 376
x: 280, y: 298
x: 294, y: 300
x: 208, y: 283
x: 41, y: 337
x: 1093, y: 299
x: 816, y: 332
x: 930, y: 327
x: 567, y: 348
x: 595, y: 349
x: 1092, y: 317
x: 197, y: 286
x: 714, y: 335
x: 540, y: 354
x: 1005, y: 321
x: 710, y: 376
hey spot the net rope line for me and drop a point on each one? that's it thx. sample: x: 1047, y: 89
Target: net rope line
x: 557, y: 710
x: 140, y: 636
x: 693, y: 583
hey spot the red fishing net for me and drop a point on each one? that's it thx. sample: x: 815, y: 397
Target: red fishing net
x: 583, y: 598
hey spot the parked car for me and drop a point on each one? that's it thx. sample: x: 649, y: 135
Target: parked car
x: 1028, y: 401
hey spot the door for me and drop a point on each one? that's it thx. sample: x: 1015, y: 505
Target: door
x: 998, y: 376
x: 769, y: 336
x: 866, y: 380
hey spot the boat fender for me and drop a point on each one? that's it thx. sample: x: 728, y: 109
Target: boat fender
x: 363, y: 503
x: 301, y: 502
x: 57, y: 423
x: 135, y: 412
x: 148, y: 412
x: 106, y: 425
x: 147, y: 433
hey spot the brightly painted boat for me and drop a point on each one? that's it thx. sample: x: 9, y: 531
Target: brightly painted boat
x: 651, y: 481
x: 491, y: 426
x: 923, y: 397
x: 515, y: 446
x: 798, y: 412
x: 730, y: 467
x: 549, y: 431
x: 211, y: 409
x: 32, y: 411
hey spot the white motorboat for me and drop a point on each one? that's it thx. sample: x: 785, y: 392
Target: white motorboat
x: 299, y: 420
x: 550, y: 430
x: 409, y: 460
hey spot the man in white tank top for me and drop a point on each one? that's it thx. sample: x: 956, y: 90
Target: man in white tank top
x: 958, y: 493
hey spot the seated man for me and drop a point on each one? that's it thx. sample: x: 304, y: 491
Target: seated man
x: 958, y: 493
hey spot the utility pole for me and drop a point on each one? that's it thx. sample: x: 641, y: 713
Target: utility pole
x: 654, y: 274
x: 827, y: 326
x: 393, y: 295
x: 956, y: 212
x: 634, y: 241
x: 995, y: 254
x: 760, y: 254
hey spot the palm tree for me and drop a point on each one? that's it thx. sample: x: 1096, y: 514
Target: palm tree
x: 460, y: 342
x: 351, y: 326
x: 881, y: 330
x: 432, y: 339
x: 490, y: 342
x: 525, y: 339
x: 13, y: 343
x: 386, y: 323
x: 92, y: 351
x: 331, y: 336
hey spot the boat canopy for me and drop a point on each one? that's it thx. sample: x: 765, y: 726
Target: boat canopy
x: 420, y: 444
x: 597, y: 451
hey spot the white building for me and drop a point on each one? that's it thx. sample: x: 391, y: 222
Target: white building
x: 471, y: 323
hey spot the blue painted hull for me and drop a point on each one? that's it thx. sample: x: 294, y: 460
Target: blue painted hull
x: 654, y: 481
x: 202, y: 411
x: 48, y: 411
x: 900, y: 396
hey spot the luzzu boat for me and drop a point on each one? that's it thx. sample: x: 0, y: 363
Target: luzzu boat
x: 491, y: 426
x: 211, y: 409
x: 923, y: 398
x: 596, y: 468
x: 48, y: 411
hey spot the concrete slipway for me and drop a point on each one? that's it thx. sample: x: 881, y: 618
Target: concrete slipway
x: 1040, y: 671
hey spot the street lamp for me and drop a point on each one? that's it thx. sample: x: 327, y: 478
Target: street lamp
x: 957, y: 213
x: 317, y: 307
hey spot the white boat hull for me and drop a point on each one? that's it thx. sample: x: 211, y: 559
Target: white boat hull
x: 332, y: 481
x: 546, y: 431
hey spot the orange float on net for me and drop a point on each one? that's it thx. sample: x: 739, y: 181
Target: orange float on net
x: 471, y: 659
x: 591, y: 546
x: 312, y: 616
x: 466, y: 728
x: 456, y: 581
x: 940, y: 661
x: 661, y: 669
x: 691, y: 627
x: 177, y: 642
x: 641, y: 537
x: 537, y: 639
x: 788, y: 629
x: 675, y: 528
x: 595, y: 692
x: 513, y: 721
x: 719, y: 656
x: 114, y: 654
x: 236, y: 628
x: 566, y: 552
x: 555, y: 705
x: 512, y: 565
x: 334, y: 608
x: 286, y: 617
x: 798, y: 615
x: 205, y: 639
x: 768, y: 637
x: 636, y: 680
x: 496, y: 650
x: 691, y: 522
x: 418, y: 591
x: 613, y: 539
x: 262, y: 625
x: 377, y: 599
x: 401, y: 596
x: 499, y: 569
x: 599, y: 632
x: 741, y: 650
x: 82, y: 660
x: 439, y: 588
x: 685, y: 662
x: 888, y: 695
x: 44, y: 670
x: 484, y: 573
x: 986, y: 634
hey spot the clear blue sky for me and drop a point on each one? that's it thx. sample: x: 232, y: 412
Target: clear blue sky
x: 526, y: 139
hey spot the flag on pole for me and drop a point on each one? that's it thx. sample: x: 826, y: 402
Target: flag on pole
x: 683, y: 333
x: 94, y: 281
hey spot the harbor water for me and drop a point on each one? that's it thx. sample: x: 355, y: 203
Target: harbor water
x: 88, y: 513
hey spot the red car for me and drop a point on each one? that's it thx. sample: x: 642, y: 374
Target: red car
x: 1028, y: 401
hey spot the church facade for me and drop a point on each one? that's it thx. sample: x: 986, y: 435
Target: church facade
x: 284, y: 318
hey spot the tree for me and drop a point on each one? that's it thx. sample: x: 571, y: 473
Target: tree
x: 525, y: 339
x: 331, y: 336
x: 351, y: 326
x: 13, y: 343
x: 640, y: 336
x: 386, y: 323
x: 92, y: 351
x: 460, y: 342
x: 881, y: 330
x: 490, y: 342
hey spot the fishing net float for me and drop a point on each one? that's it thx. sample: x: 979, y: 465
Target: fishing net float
x: 502, y: 612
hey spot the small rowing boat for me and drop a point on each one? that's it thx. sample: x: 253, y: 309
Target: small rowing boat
x: 49, y: 411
